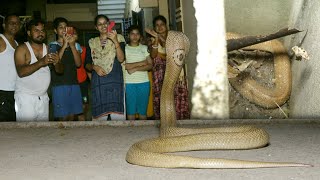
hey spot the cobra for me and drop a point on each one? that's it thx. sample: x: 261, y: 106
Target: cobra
x: 257, y: 93
x: 154, y: 152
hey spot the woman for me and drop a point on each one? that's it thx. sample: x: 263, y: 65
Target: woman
x: 158, y: 54
x: 104, y: 57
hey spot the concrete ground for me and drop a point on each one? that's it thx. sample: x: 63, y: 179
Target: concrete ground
x: 97, y: 150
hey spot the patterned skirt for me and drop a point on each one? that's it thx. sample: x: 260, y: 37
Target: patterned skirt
x: 180, y: 91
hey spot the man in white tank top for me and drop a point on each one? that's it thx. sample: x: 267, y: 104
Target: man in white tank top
x: 8, y: 73
x: 32, y: 60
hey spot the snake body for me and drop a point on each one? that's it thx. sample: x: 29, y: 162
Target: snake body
x: 255, y: 92
x: 152, y: 152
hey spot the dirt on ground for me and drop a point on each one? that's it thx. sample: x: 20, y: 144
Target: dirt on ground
x: 261, y: 69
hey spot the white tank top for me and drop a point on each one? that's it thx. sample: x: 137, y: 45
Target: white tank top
x: 38, y: 82
x: 8, y: 73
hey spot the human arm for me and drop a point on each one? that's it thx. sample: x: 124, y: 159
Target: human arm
x: 119, y: 46
x: 155, y: 41
x: 2, y: 45
x: 88, y: 64
x: 153, y: 46
x: 22, y: 59
x: 57, y: 64
x: 145, y: 65
x: 76, y: 52
x: 70, y: 40
x: 136, y: 64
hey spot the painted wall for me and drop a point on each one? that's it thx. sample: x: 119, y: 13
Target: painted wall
x: 253, y: 17
x: 305, y: 97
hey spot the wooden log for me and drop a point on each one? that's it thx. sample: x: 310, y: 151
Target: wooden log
x: 234, y: 44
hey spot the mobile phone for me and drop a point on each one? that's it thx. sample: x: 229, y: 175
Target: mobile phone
x: 52, y: 48
x: 110, y: 26
x: 69, y: 30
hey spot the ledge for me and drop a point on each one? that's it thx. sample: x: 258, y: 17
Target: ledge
x: 82, y: 124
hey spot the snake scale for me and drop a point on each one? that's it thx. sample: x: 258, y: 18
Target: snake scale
x: 157, y: 152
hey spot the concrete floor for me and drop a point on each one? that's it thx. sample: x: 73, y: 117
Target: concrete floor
x: 97, y: 150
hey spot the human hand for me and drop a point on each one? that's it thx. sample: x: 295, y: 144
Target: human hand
x: 68, y: 39
x: 113, y: 36
x: 46, y: 60
x: 131, y: 71
x: 151, y: 32
x: 72, y: 40
x: 65, y: 38
x: 54, y: 57
x: 99, y: 70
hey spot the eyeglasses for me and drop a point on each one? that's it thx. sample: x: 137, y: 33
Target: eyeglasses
x: 103, y: 24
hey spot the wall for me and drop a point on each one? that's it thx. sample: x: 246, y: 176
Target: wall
x: 305, y: 97
x: 253, y: 17
x: 36, y: 5
x: 73, y: 12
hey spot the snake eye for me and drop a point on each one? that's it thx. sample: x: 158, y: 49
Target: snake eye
x: 179, y: 56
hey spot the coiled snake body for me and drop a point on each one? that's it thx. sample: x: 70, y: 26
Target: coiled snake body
x: 152, y: 152
x: 258, y: 94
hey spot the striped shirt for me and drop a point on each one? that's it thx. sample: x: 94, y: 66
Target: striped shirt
x: 136, y: 54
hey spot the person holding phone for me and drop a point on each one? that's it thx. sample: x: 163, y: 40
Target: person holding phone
x: 66, y: 94
x: 104, y: 57
x: 31, y: 61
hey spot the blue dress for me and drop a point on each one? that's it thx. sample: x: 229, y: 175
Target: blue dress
x: 107, y: 91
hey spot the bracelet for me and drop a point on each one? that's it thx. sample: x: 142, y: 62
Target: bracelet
x: 154, y: 47
x: 118, y: 46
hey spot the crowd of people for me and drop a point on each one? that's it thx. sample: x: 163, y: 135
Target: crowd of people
x: 124, y: 77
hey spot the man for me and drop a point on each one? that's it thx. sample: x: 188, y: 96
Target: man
x: 8, y: 73
x: 32, y: 60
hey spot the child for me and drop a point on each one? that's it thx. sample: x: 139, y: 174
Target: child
x: 66, y: 94
x: 138, y: 62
